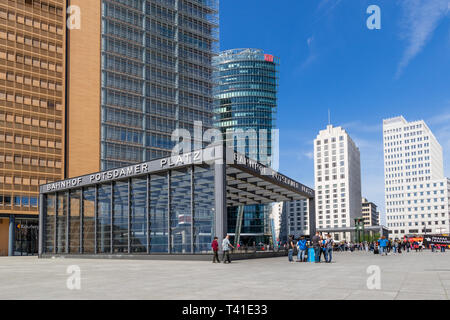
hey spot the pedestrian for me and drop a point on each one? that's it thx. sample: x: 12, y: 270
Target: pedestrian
x: 226, y: 244
x: 323, y: 251
x: 291, y: 249
x: 215, y: 247
x: 301, y: 244
x: 382, y: 244
x: 328, y: 249
x: 316, y: 246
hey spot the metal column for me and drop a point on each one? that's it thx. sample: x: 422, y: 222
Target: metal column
x: 220, y: 192
x: 42, y: 211
x: 111, y: 221
x: 237, y: 232
x: 12, y: 235
x: 67, y: 236
x: 129, y: 215
x: 147, y: 203
x: 192, y: 211
x: 312, y: 216
x: 169, y: 209
x: 95, y: 220
x: 81, y: 220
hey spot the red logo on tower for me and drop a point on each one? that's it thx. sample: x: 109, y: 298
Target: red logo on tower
x: 268, y: 57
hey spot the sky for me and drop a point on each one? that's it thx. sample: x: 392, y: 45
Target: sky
x: 330, y: 60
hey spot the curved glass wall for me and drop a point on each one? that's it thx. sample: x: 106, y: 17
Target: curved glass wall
x: 168, y: 212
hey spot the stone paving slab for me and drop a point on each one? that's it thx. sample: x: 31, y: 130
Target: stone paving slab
x: 412, y: 275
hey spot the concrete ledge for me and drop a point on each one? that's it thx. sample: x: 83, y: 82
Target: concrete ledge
x: 173, y: 257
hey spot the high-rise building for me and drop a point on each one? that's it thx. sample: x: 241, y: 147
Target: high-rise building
x: 32, y: 114
x: 297, y: 218
x: 138, y: 70
x: 370, y: 213
x: 337, y: 173
x: 416, y: 191
x: 245, y: 102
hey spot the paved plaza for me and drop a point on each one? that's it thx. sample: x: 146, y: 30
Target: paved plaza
x: 408, y: 276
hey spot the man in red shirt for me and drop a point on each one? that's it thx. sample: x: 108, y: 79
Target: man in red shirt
x: 215, y: 247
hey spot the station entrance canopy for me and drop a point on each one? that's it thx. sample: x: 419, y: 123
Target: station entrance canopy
x: 173, y: 205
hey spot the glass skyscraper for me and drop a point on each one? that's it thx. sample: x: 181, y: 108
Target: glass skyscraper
x: 245, y: 103
x: 138, y: 70
x: 156, y: 75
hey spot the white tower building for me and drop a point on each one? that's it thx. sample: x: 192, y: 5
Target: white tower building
x: 297, y: 216
x: 416, y: 191
x: 337, y: 172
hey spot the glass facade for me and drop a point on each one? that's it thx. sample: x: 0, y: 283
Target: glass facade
x: 156, y: 75
x: 245, y: 103
x: 173, y: 205
x: 169, y: 212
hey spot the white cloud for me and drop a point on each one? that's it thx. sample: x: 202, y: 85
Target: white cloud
x: 309, y: 155
x: 420, y: 19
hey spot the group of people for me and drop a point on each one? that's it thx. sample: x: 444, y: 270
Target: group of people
x: 324, y: 246
x: 226, y: 248
x: 438, y: 247
x: 321, y: 245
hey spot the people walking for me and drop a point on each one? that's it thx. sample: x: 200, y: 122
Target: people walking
x: 291, y: 249
x: 316, y: 246
x: 215, y: 247
x: 226, y: 245
x: 328, y: 249
x: 301, y: 244
x: 382, y: 244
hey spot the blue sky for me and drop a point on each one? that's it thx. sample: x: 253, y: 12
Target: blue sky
x: 331, y: 60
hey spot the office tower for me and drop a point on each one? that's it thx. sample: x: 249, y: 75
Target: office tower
x: 138, y: 70
x: 32, y: 113
x: 416, y: 191
x: 245, y: 102
x: 337, y: 173
x: 297, y: 218
x: 370, y: 213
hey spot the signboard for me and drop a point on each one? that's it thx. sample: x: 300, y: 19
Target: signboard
x: 196, y: 157
x: 414, y: 239
x: 268, y: 57
x: 445, y: 240
x: 184, y: 219
x: 234, y: 157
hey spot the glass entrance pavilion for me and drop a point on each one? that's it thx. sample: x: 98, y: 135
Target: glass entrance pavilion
x: 173, y: 205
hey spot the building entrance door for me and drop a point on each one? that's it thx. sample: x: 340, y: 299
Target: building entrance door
x: 27, y: 235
